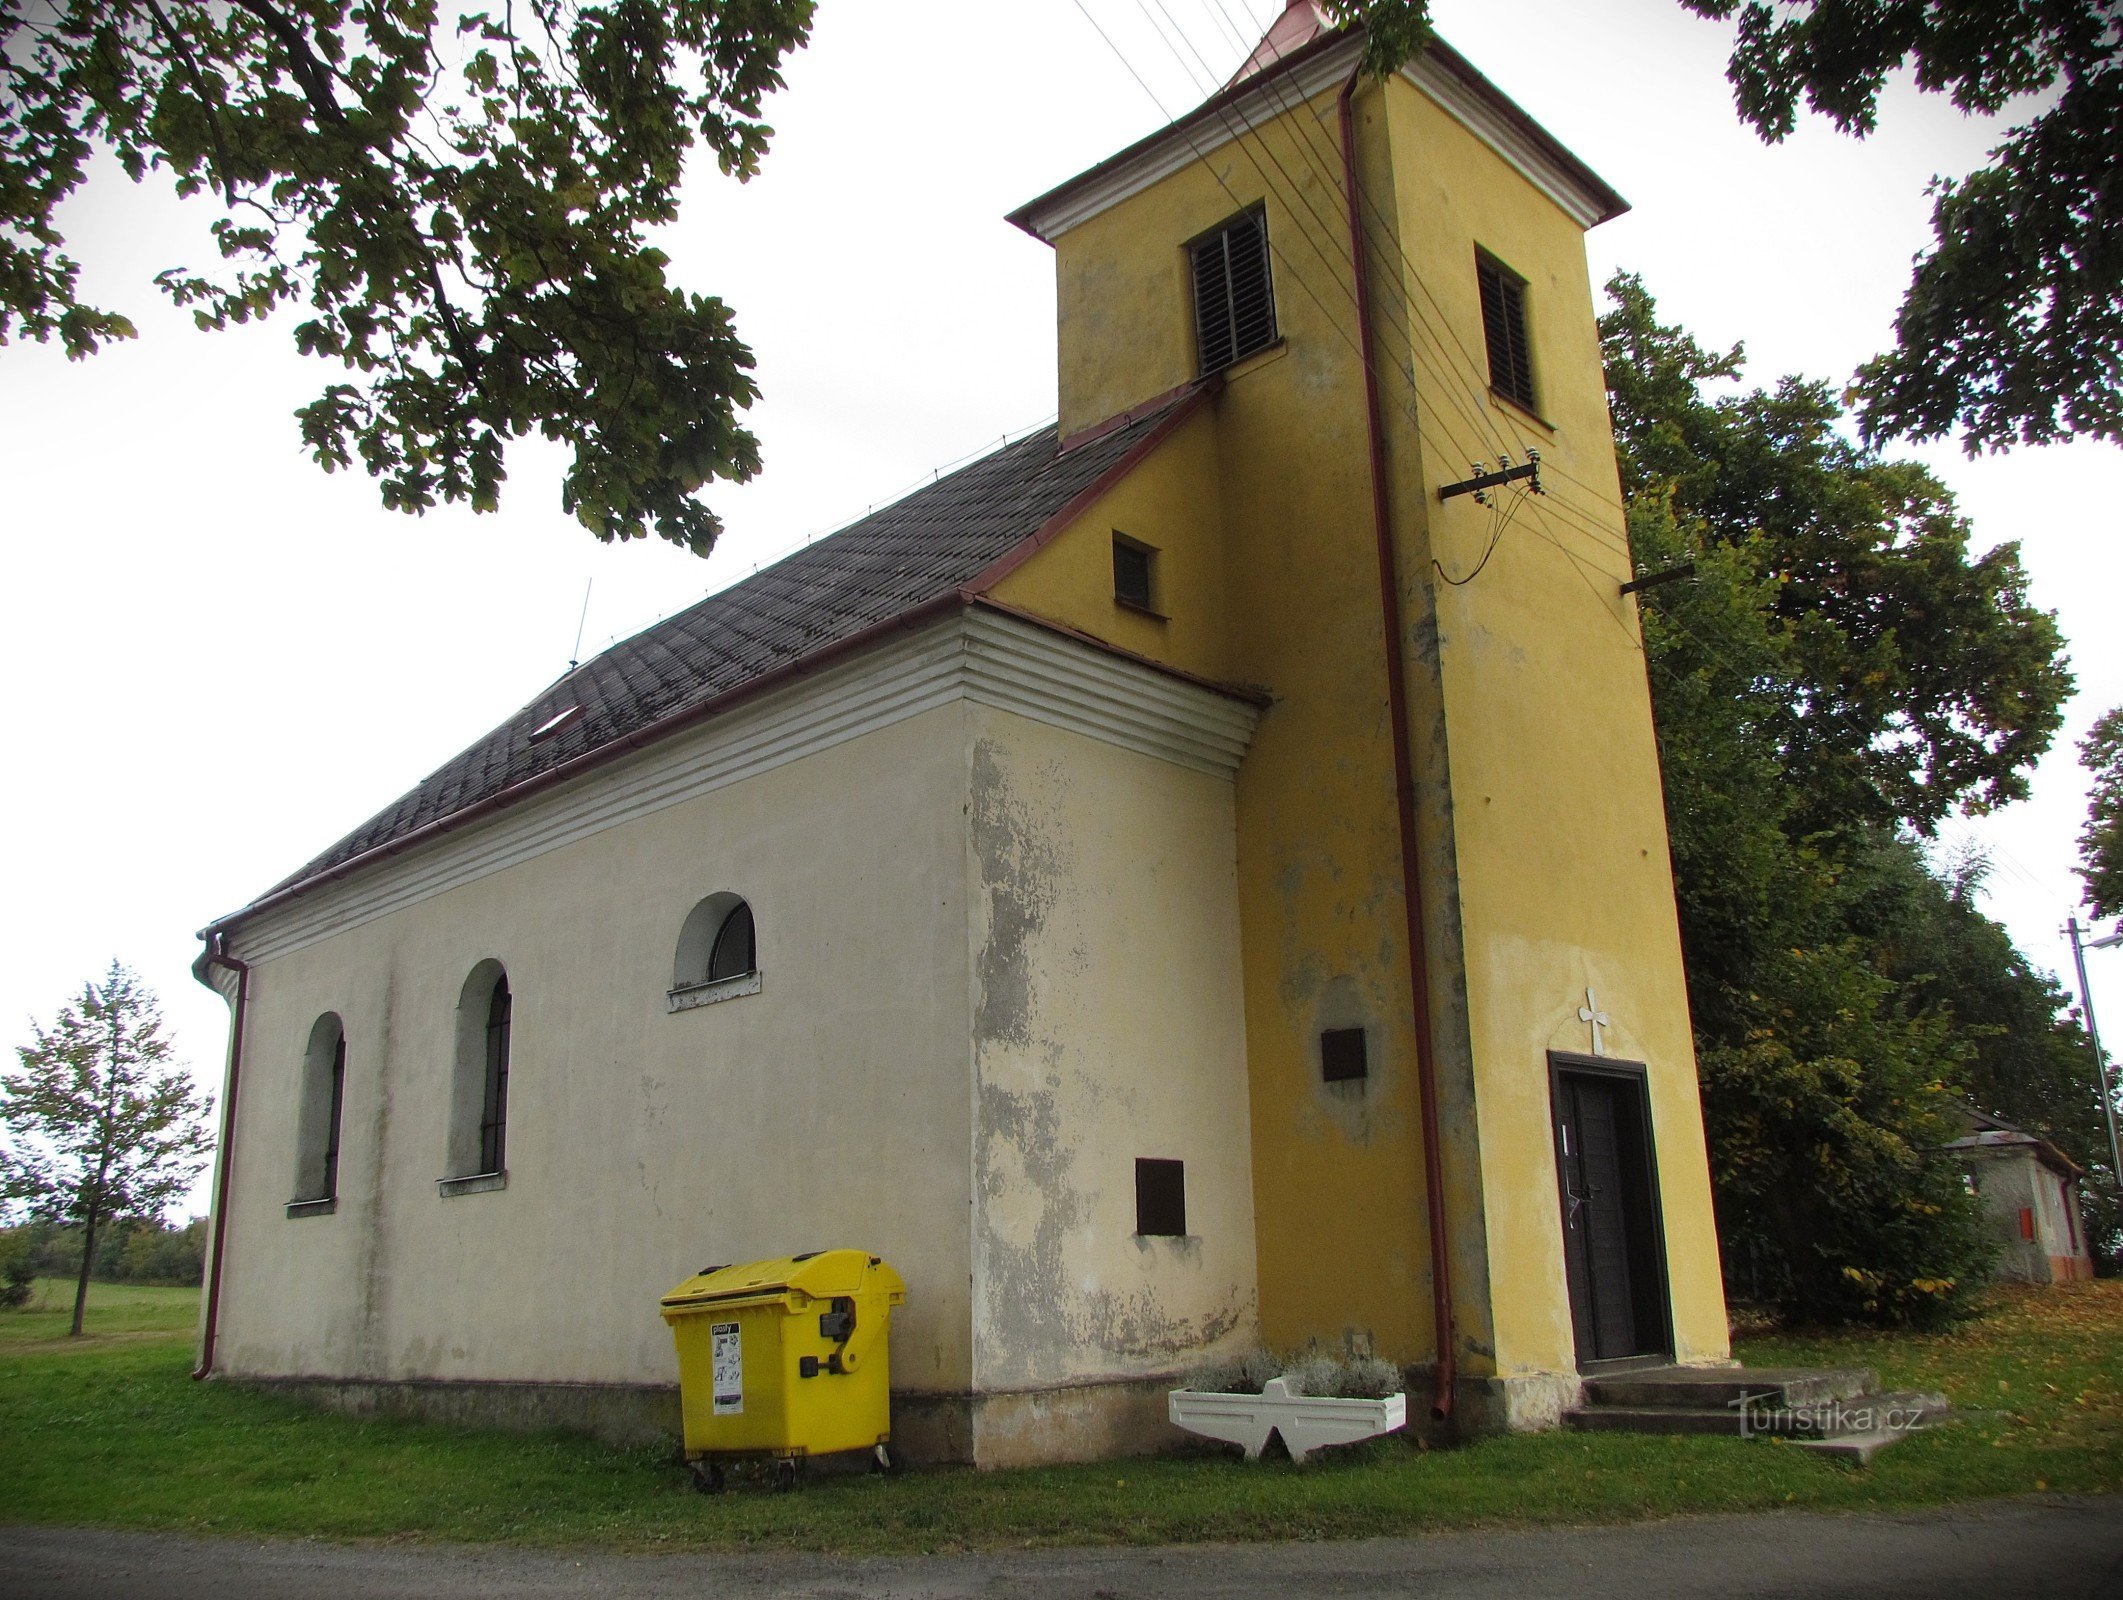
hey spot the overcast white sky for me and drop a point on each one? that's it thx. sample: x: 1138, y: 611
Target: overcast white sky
x: 221, y: 659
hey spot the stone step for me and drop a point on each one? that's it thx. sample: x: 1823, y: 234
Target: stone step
x: 1723, y: 1388
x: 1652, y: 1419
x: 1864, y: 1423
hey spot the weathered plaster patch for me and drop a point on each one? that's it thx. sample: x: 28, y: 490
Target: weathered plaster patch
x: 1137, y: 1326
x: 1021, y: 863
x: 1027, y: 1205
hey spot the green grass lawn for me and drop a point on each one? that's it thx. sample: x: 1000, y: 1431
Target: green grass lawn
x: 109, y: 1430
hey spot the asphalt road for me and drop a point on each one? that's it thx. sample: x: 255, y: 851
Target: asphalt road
x: 2053, y: 1547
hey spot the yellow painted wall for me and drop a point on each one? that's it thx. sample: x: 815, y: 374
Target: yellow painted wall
x: 1546, y: 868
x: 1564, y: 879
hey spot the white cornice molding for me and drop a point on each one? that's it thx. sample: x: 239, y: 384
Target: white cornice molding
x: 976, y: 655
x: 1278, y: 93
x: 1271, y: 95
x: 1524, y: 154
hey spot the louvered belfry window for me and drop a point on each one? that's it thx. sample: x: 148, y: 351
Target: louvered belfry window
x: 1234, y: 298
x: 1504, y: 325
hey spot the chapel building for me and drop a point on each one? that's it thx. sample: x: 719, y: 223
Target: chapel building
x: 1196, y: 875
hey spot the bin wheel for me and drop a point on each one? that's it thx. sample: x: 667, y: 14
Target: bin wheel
x: 784, y: 1476
x: 707, y: 1477
x: 884, y: 1460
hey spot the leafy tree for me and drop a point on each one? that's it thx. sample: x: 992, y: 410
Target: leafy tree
x: 462, y: 204
x: 1925, y: 680
x: 105, y: 1120
x: 1840, y: 673
x: 2028, y: 1060
x: 2012, y: 328
x: 1826, y: 1092
x: 2101, y: 845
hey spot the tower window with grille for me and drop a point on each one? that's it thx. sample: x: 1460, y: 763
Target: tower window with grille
x: 1504, y: 327
x: 1234, y: 297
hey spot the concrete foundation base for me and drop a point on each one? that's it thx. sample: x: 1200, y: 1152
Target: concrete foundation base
x: 1037, y: 1427
x: 628, y: 1415
x: 1087, y: 1422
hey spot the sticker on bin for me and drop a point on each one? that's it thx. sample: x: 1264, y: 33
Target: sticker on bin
x: 729, y: 1364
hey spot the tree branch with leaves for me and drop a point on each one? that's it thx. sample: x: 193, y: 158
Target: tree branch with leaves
x: 2011, y: 331
x: 462, y: 205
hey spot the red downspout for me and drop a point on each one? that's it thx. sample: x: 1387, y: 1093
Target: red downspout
x: 217, y: 955
x: 1389, y: 589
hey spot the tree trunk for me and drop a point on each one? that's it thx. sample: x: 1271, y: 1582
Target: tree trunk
x: 88, y: 1259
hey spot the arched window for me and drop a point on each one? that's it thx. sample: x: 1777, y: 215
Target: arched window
x: 479, y: 1096
x: 318, y: 1116
x: 733, y: 954
x: 494, y: 1103
x: 718, y: 953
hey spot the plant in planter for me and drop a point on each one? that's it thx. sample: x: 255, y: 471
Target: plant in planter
x: 1310, y: 1402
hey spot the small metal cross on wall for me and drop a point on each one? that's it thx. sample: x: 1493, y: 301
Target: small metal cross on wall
x: 1590, y: 1012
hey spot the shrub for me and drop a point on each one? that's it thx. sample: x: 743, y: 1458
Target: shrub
x: 17, y: 1275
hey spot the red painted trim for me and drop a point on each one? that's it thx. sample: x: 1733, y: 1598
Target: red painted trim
x: 1609, y: 203
x: 1193, y: 396
x: 1389, y: 591
x: 1213, y: 107
x: 1150, y: 407
x: 217, y: 955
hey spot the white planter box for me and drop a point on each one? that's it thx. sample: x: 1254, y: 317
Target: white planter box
x: 1306, y: 1422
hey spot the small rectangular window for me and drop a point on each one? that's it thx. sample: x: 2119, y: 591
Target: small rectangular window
x: 1161, y: 1197
x: 1504, y: 327
x: 1342, y: 1055
x: 1234, y: 296
x: 1132, y: 565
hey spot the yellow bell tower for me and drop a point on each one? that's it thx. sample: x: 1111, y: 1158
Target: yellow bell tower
x: 1386, y: 497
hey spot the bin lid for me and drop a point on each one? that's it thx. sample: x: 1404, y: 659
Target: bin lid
x: 817, y: 1274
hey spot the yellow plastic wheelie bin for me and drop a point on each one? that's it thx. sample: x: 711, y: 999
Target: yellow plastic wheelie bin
x: 784, y: 1360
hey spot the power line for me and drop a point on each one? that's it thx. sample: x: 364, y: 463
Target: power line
x: 1236, y: 127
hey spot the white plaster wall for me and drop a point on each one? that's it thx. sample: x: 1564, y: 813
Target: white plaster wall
x: 1107, y: 1024
x: 828, y: 1109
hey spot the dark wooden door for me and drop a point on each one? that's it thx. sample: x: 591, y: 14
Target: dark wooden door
x: 1612, y: 1251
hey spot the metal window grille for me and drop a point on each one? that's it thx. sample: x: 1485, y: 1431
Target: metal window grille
x: 1504, y: 326
x: 330, y: 1187
x: 1161, y: 1197
x: 734, y: 954
x: 494, y: 1111
x: 1234, y: 294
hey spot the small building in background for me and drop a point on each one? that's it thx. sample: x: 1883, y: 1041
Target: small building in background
x: 2030, y: 1194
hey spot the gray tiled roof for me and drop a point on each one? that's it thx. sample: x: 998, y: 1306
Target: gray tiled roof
x: 936, y: 540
